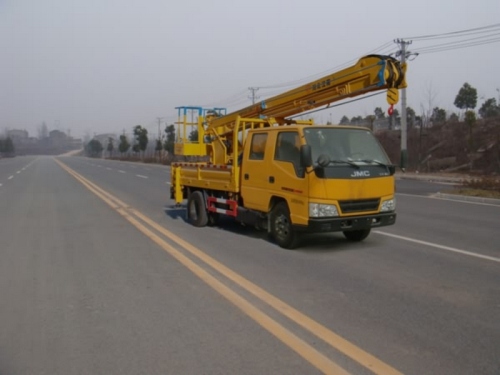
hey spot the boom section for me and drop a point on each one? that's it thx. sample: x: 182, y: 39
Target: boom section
x: 370, y: 73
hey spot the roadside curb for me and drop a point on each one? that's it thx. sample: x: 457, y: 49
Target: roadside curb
x: 427, y: 177
x: 465, y: 198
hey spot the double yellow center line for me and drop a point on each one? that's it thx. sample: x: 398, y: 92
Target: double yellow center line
x: 151, y: 229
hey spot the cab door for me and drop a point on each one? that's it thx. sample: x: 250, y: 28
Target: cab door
x: 255, y: 171
x: 271, y: 167
x: 289, y: 177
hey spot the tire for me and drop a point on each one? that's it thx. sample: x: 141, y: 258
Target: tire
x: 281, y: 227
x: 357, y: 235
x: 196, y: 209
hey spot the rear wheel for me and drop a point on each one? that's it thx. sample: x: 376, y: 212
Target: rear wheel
x: 197, y: 210
x: 281, y: 227
x: 357, y: 235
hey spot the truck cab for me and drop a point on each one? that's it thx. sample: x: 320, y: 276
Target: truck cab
x: 319, y: 178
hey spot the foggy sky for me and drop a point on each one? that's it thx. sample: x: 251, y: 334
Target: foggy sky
x: 100, y: 66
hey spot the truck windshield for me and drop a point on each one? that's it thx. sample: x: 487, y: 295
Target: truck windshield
x: 345, y: 145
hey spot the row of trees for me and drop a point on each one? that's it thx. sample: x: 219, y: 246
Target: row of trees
x: 465, y: 100
x: 94, y: 148
x: 437, y: 116
x: 6, y: 146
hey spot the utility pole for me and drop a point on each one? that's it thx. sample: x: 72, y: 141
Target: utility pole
x: 253, y: 97
x: 159, y: 137
x: 159, y: 125
x: 404, y: 151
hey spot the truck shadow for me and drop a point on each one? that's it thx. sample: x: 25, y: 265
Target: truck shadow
x: 175, y: 212
x: 316, y: 242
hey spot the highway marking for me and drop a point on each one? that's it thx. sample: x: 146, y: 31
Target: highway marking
x: 141, y: 176
x: 18, y: 172
x: 10, y: 178
x: 305, y: 350
x: 441, y: 247
x: 119, y: 170
x: 109, y: 169
x: 302, y: 348
x: 447, y: 199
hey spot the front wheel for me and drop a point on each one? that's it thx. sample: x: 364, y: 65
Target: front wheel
x: 197, y: 209
x: 281, y: 227
x: 357, y: 235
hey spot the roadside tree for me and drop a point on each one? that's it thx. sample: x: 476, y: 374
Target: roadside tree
x: 141, y: 138
x: 94, y: 148
x: 489, y: 109
x: 110, y: 147
x: 193, y: 135
x: 379, y: 113
x: 124, y: 145
x: 466, y: 97
x: 438, y: 115
x: 344, y: 120
x: 410, y: 117
x: 168, y: 145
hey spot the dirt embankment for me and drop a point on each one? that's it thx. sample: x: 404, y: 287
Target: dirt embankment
x: 450, y: 148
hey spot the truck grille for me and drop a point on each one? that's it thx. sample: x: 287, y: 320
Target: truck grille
x: 359, y: 205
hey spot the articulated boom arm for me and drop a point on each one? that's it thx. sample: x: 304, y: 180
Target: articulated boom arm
x: 370, y: 73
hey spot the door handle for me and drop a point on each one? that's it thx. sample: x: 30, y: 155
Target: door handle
x: 271, y: 179
x: 246, y: 176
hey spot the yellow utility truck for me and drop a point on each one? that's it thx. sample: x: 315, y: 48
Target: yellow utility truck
x: 264, y: 168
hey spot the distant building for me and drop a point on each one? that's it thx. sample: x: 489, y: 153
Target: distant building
x: 58, y: 138
x: 17, y: 134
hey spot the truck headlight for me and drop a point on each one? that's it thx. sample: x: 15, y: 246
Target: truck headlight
x: 388, y: 205
x: 322, y: 210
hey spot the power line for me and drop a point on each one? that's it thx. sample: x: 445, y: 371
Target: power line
x: 442, y: 35
x: 466, y: 38
x: 456, y: 45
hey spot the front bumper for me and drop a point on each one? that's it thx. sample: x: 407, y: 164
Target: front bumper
x: 340, y: 224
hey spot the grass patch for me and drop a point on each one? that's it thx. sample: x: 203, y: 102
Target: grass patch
x: 475, y: 192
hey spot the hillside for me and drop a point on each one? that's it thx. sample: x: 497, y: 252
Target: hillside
x: 448, y: 147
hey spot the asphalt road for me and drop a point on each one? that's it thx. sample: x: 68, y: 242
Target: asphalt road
x: 99, y: 282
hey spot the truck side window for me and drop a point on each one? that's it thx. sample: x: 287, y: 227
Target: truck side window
x: 288, y: 149
x: 258, y: 146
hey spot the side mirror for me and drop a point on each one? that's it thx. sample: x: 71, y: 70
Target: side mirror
x: 306, y: 156
x: 207, y: 139
x: 392, y: 169
x: 323, y: 160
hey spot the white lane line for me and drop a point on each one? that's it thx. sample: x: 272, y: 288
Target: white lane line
x: 10, y: 178
x: 109, y: 169
x: 141, y: 176
x: 441, y: 247
x: 119, y: 170
x: 0, y: 185
x: 446, y: 199
x: 18, y: 172
x: 167, y: 183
